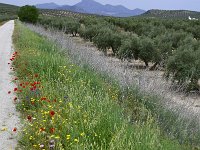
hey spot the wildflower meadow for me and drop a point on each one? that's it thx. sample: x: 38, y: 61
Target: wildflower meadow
x: 64, y: 106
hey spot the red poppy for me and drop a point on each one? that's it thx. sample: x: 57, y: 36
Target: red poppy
x: 20, y: 84
x: 42, y: 129
x: 43, y: 98
x: 52, y: 113
x: 9, y: 92
x: 15, y: 89
x: 29, y: 118
x: 52, y: 130
x: 15, y: 99
x: 14, y: 129
x: 36, y: 75
x: 32, y: 84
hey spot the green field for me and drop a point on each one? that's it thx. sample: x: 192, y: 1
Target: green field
x: 71, y: 107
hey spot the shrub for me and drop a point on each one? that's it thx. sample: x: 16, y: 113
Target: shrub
x: 28, y: 14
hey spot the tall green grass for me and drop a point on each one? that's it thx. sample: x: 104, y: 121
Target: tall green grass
x: 68, y: 107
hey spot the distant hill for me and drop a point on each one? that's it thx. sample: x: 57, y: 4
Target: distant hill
x: 173, y: 14
x: 47, y: 6
x: 8, y: 11
x: 93, y: 7
x: 71, y: 8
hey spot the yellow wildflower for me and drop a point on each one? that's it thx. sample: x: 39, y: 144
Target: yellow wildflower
x: 82, y: 134
x: 68, y: 137
x: 76, y: 140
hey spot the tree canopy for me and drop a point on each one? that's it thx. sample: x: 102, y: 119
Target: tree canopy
x: 28, y: 14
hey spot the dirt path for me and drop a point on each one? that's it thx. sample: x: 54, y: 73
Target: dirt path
x: 8, y: 115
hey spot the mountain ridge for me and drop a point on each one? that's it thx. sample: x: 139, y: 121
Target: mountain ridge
x: 93, y: 7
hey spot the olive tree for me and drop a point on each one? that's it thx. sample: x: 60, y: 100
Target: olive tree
x: 184, y: 65
x: 130, y: 47
x: 147, y: 50
x: 115, y: 42
x: 103, y: 39
x: 71, y: 27
x: 89, y: 32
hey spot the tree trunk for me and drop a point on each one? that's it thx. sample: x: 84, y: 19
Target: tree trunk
x: 146, y: 63
x: 113, y: 50
x: 153, y: 67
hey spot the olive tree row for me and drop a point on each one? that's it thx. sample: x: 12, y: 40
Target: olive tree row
x: 157, y: 41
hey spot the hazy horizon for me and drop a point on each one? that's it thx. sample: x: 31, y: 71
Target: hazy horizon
x: 142, y: 4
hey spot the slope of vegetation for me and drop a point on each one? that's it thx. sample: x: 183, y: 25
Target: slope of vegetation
x: 63, y: 13
x: 68, y: 107
x: 8, y: 12
x: 171, y: 14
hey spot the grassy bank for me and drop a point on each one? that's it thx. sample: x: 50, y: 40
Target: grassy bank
x: 68, y: 107
x: 177, y: 121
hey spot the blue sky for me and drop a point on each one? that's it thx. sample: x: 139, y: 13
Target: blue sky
x: 131, y: 4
